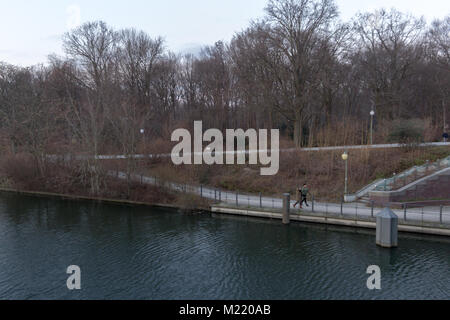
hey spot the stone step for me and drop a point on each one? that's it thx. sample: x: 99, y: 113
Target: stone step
x: 364, y: 200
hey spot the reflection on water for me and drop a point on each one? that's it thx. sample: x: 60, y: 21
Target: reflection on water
x: 140, y: 253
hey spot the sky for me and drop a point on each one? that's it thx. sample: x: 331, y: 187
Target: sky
x: 30, y: 30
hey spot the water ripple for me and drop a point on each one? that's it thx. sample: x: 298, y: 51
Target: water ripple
x: 129, y: 253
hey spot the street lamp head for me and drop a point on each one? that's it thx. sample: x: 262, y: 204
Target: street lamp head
x: 345, y: 156
x: 142, y: 131
x: 372, y: 113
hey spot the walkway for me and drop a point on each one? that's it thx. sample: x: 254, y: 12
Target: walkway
x: 168, y: 155
x: 425, y: 214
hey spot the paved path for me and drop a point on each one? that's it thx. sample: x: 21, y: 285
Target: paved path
x: 426, y: 214
x: 168, y: 155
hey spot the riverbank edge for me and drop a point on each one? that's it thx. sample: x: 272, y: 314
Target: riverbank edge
x: 328, y: 220
x: 215, y: 209
x: 97, y: 199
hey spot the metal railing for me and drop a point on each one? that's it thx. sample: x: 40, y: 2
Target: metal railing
x: 422, y: 216
x: 418, y: 215
x: 415, y: 173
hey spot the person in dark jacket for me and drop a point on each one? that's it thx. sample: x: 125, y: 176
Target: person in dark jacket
x: 304, y: 194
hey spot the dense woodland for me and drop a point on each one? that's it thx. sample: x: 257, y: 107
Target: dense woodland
x: 299, y: 68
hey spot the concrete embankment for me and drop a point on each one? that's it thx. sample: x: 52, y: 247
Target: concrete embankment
x: 322, y: 218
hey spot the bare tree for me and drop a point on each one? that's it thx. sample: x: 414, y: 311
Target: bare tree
x: 439, y: 51
x: 298, y: 27
x: 136, y: 57
x: 93, y: 45
x: 439, y: 42
x: 28, y: 111
x: 389, y: 49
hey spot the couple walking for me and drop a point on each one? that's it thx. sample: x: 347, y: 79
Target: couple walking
x: 302, y: 193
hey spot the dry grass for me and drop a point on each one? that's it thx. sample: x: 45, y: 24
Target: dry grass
x: 323, y: 171
x: 20, y: 172
x: 354, y: 131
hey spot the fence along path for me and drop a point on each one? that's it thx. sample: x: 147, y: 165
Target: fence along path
x: 439, y: 214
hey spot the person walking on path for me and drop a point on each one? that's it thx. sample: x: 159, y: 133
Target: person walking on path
x: 304, y: 194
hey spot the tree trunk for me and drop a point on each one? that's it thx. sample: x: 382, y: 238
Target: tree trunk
x: 298, y: 130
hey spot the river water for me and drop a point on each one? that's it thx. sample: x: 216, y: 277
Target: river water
x: 127, y: 252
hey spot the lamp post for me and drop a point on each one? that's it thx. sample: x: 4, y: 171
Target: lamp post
x: 372, y: 113
x: 345, y: 158
x: 142, y: 131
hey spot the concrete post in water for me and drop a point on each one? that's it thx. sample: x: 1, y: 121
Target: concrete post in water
x: 387, y: 229
x: 286, y: 207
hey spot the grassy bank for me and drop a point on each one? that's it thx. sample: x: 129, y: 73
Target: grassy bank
x: 323, y: 171
x: 19, y: 174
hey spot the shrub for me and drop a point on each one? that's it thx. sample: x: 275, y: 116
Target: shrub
x: 406, y: 132
x: 21, y: 168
